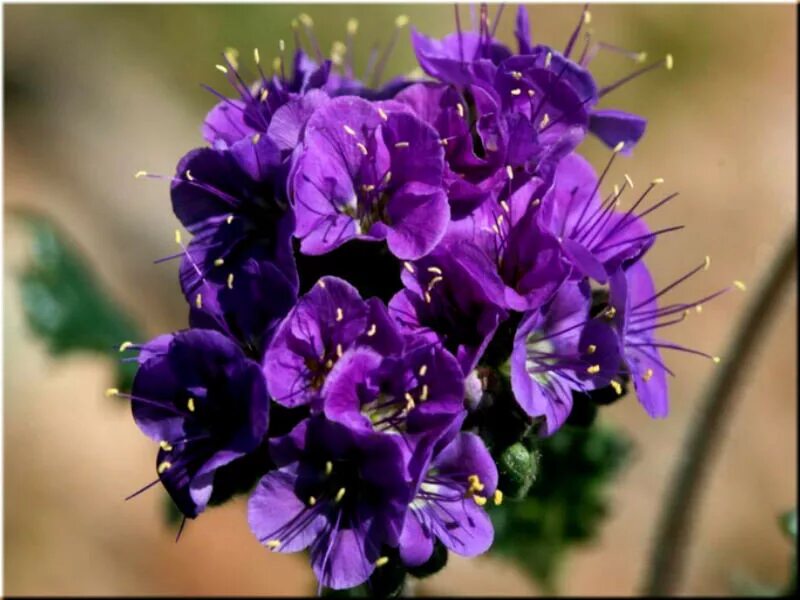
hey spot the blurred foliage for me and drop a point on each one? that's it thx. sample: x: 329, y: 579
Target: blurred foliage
x: 566, y: 502
x: 65, y: 305
x: 745, y: 585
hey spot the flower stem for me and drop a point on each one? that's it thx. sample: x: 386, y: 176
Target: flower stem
x: 668, y: 554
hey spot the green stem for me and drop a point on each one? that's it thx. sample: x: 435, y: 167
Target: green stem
x: 668, y: 554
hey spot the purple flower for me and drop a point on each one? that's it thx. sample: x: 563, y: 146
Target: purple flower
x: 595, y: 237
x: 405, y: 392
x: 456, y: 478
x: 370, y: 174
x: 232, y: 202
x: 325, y: 323
x: 558, y: 350
x: 453, y: 294
x: 205, y: 403
x: 343, y: 493
x: 634, y: 312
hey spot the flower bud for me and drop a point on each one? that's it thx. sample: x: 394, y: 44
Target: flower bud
x: 517, y: 468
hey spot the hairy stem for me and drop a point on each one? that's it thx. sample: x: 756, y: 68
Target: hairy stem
x: 668, y: 554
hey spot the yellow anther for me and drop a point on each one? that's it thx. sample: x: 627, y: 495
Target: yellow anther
x: 409, y: 398
x: 587, y: 17
x: 352, y: 26
x: 516, y: 75
x: 716, y: 359
x: 348, y: 130
x: 178, y: 236
x: 460, y: 109
x: 619, y: 147
x: 641, y: 57
x: 124, y: 346
x: 590, y: 349
x: 706, y: 263
x: 140, y: 174
x: 328, y: 468
x: 611, y: 312
x: 536, y: 202
x: 509, y: 172
x: 281, y: 45
x: 305, y: 20
x: 410, y: 404
x: 423, y: 395
x: 190, y: 404
x: 264, y: 95
x: 545, y: 120
x: 548, y: 59
x: 383, y: 114
x: 401, y: 145
x: 428, y: 298
x: 362, y: 148
x: 339, y: 351
x: 505, y: 206
x: 593, y: 369
x: 198, y: 301
x: 434, y: 281
x: 408, y: 267
x: 616, y: 189
x: 669, y: 62
x: 111, y: 392
x: 339, y: 314
x: 321, y: 284
x: 657, y: 181
x: 388, y: 177
x: 698, y: 308
x: 422, y: 370
x: 531, y: 93
x: 479, y: 500
x: 339, y: 495
x: 219, y: 262
x: 294, y: 23
x: 329, y: 364
x: 740, y: 285
x: 164, y: 466
x: 222, y: 68
x: 434, y: 270
x: 617, y: 387
x: 516, y: 92
x: 629, y: 180
x: 443, y: 141
x: 401, y: 21
x: 272, y: 544
x: 165, y: 445
x: 373, y: 328
x: 189, y: 175
x: 229, y: 219
x: 230, y: 281
x: 648, y: 375
x: 381, y: 561
x: 256, y: 56
x: 256, y: 138
x: 232, y: 56
x: 498, y: 497
x: 312, y: 501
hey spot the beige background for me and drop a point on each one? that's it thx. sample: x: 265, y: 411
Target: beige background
x: 95, y: 93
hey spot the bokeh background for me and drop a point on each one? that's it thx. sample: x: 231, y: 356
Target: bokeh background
x: 95, y: 93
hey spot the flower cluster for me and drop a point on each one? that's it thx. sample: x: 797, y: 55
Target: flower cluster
x: 364, y: 260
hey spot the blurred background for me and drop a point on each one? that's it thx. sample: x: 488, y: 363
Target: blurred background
x: 95, y: 93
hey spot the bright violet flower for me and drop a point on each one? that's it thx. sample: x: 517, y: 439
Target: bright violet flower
x: 634, y: 312
x: 343, y: 493
x: 369, y: 173
x: 205, y: 403
x: 232, y: 202
x: 409, y: 391
x: 452, y: 295
x: 557, y: 349
x: 595, y: 236
x: 325, y: 323
x: 457, y: 477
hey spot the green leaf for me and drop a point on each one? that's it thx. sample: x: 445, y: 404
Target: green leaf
x: 566, y: 503
x: 66, y: 306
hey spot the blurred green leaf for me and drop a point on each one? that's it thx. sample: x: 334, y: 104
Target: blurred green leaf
x: 566, y: 503
x: 65, y: 305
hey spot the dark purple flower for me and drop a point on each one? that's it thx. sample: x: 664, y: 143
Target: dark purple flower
x: 410, y: 391
x: 595, y: 236
x: 343, y: 493
x: 368, y: 173
x: 634, y: 313
x: 558, y: 350
x: 205, y: 403
x: 457, y: 477
x: 455, y: 295
x: 232, y: 202
x: 325, y: 323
